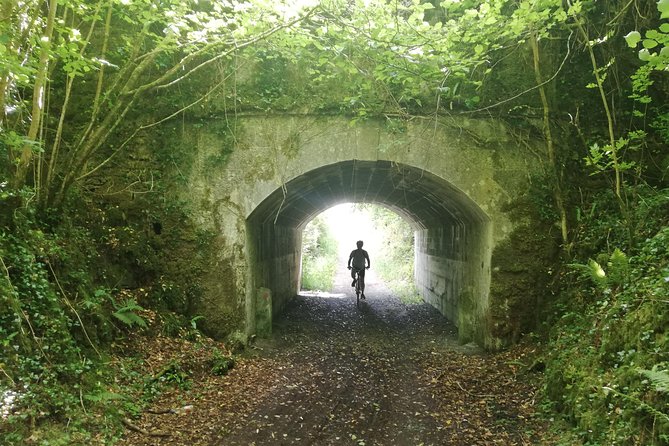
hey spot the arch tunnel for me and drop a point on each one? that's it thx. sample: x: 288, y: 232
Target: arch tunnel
x: 453, y: 236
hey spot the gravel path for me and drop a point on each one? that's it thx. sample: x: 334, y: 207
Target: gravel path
x: 381, y: 373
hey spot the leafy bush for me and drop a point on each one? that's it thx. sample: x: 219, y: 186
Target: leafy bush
x: 42, y: 360
x: 57, y: 320
x: 174, y: 373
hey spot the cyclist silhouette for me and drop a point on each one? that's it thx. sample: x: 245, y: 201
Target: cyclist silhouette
x: 359, y: 257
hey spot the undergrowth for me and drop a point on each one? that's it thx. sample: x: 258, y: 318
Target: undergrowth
x: 50, y: 348
x: 67, y: 298
x: 607, y: 368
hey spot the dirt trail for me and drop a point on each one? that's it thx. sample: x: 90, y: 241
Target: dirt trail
x: 382, y: 373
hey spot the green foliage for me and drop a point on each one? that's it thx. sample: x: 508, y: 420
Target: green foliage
x: 594, y: 271
x: 193, y: 321
x: 126, y: 313
x: 102, y: 59
x: 42, y: 361
x: 655, y: 44
x: 273, y: 85
x: 618, y: 268
x: 395, y: 261
x: 602, y: 159
x: 658, y: 378
x: 174, y: 374
x: 172, y: 324
x: 606, y: 368
x: 378, y: 58
x: 654, y: 55
x: 618, y: 265
x: 661, y: 125
x: 221, y: 363
x: 319, y: 256
x: 59, y: 315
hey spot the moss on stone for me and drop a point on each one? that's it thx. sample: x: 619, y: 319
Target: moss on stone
x: 521, y: 267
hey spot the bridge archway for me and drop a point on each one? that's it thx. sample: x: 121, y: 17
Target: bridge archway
x: 255, y: 181
x: 453, y: 236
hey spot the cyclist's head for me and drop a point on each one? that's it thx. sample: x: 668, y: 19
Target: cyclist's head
x: 359, y: 243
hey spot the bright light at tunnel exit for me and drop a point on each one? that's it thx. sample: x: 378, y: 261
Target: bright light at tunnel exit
x: 387, y: 236
x: 350, y: 224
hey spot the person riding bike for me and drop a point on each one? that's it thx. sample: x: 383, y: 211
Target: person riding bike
x: 359, y: 257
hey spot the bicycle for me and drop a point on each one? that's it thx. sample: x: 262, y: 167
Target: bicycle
x: 359, y: 282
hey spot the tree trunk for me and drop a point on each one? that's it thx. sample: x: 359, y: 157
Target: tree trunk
x: 550, y: 146
x: 38, y: 98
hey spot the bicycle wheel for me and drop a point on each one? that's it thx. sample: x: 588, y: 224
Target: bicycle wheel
x: 357, y: 288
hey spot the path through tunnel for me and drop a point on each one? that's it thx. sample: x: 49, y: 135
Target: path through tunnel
x: 453, y: 238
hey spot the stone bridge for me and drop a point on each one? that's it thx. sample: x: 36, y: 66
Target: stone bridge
x: 453, y: 179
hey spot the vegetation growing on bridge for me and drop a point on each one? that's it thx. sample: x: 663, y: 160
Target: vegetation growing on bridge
x: 89, y: 235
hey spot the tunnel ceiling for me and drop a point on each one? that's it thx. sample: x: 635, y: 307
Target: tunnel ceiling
x: 425, y: 199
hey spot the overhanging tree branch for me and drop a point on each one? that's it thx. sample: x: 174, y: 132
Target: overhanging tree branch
x: 165, y: 82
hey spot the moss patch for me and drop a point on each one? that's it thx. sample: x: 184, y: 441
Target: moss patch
x: 520, y: 279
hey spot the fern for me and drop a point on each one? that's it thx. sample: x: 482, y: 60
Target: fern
x: 597, y: 273
x: 127, y: 315
x: 593, y: 271
x: 618, y: 267
x: 618, y: 270
x: 659, y: 378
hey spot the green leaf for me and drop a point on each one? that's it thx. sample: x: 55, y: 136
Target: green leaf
x: 663, y: 7
x: 193, y: 321
x: 644, y: 55
x: 127, y: 315
x: 618, y: 267
x: 649, y: 43
x: 575, y: 8
x: 654, y: 34
x: 664, y: 27
x: 597, y: 273
x: 632, y: 38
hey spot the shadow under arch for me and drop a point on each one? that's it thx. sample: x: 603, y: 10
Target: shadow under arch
x: 453, y: 239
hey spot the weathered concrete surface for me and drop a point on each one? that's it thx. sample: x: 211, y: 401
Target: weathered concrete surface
x: 453, y: 179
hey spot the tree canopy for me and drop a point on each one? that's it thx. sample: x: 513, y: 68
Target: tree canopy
x: 74, y: 72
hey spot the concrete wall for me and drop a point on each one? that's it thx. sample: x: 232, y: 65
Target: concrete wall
x: 439, y: 268
x: 452, y: 271
x: 276, y: 262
